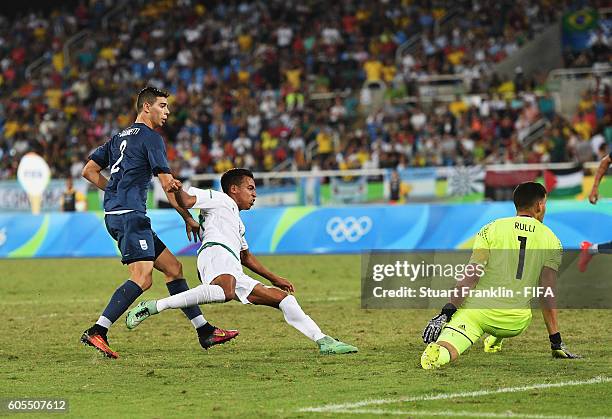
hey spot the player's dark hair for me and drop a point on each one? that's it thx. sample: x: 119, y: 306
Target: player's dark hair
x: 149, y: 95
x: 527, y: 194
x: 234, y: 177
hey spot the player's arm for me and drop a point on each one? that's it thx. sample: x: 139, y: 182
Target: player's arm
x: 182, y: 199
x: 250, y: 261
x: 172, y: 187
x: 92, y: 172
x: 475, y: 267
x: 156, y: 154
x: 473, y: 272
x: 197, y: 198
x: 601, y: 172
x: 462, y: 288
x: 174, y: 192
x: 192, y: 227
x: 98, y: 161
x: 548, y: 305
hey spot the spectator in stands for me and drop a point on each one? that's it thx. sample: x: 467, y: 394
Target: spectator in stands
x: 247, y: 96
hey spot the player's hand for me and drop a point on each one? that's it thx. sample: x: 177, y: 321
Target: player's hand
x: 558, y: 348
x: 174, y: 185
x: 285, y: 285
x: 434, y: 326
x: 594, y: 196
x: 192, y: 227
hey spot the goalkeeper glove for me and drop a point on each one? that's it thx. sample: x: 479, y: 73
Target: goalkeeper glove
x: 435, y: 325
x: 558, y: 348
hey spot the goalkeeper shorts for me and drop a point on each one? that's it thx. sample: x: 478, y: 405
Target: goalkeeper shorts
x: 468, y: 325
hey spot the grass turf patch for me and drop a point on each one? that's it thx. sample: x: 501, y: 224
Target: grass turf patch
x: 270, y: 369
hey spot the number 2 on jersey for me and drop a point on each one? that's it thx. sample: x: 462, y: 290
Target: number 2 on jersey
x: 122, y: 147
x: 521, y: 261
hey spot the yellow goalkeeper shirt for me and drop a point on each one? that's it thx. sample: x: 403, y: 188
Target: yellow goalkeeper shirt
x: 513, y: 251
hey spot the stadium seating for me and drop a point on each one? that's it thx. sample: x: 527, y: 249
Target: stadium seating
x: 275, y: 85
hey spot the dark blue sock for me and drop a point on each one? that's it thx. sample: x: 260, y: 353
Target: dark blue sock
x: 121, y: 300
x: 605, y: 247
x: 176, y: 287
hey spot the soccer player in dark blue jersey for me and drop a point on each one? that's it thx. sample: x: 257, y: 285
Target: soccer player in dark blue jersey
x: 135, y: 155
x: 588, y: 249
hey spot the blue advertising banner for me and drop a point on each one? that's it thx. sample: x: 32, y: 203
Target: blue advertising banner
x: 290, y: 230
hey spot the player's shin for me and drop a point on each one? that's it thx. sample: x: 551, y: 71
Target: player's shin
x: 295, y: 316
x: 121, y: 300
x: 202, y: 294
x: 435, y: 356
x: 193, y: 313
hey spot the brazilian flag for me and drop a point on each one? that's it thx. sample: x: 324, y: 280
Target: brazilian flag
x: 577, y: 26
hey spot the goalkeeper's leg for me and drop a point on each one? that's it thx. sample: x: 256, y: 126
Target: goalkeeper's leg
x: 500, y: 328
x: 493, y: 344
x: 456, y: 337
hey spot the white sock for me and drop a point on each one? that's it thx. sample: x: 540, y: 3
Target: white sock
x: 202, y: 294
x: 295, y: 316
x: 593, y: 249
x: 104, y: 322
x: 198, y: 321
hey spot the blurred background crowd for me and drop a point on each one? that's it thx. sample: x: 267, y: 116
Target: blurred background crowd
x: 286, y: 84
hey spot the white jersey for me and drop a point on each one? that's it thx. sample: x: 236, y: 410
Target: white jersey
x: 220, y: 221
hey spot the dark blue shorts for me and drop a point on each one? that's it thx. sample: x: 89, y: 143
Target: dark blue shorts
x: 134, y: 236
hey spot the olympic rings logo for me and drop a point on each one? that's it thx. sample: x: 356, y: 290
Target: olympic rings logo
x: 350, y: 228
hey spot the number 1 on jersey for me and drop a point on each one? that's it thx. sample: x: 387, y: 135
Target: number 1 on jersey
x: 122, y: 147
x: 521, y: 261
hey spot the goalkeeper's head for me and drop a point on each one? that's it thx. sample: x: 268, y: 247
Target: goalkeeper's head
x: 530, y: 199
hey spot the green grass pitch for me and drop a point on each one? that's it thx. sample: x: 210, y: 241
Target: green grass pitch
x: 271, y: 369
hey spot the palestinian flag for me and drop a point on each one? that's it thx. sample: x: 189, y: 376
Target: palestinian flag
x: 562, y: 183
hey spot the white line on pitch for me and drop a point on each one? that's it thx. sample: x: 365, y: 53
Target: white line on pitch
x: 445, y: 396
x: 462, y: 413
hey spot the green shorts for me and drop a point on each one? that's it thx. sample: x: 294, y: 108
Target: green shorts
x: 468, y: 325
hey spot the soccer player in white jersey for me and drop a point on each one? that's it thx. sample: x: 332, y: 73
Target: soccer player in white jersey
x: 223, y: 251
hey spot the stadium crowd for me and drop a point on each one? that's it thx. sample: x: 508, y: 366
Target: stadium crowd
x: 263, y: 84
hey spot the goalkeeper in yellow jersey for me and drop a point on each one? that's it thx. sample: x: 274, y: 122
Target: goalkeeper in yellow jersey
x: 517, y: 253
